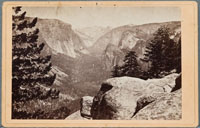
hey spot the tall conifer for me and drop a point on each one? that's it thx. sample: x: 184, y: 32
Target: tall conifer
x: 130, y: 67
x: 29, y: 69
x: 161, y: 53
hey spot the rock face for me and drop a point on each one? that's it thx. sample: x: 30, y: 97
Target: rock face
x: 60, y: 37
x: 178, y: 83
x: 130, y: 38
x: 112, y: 56
x: 86, y: 104
x: 90, y: 34
x: 75, y: 116
x: 123, y: 97
x: 84, y: 113
x: 167, y: 107
x: 131, y: 34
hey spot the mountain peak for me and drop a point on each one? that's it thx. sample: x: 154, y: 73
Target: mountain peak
x: 60, y: 37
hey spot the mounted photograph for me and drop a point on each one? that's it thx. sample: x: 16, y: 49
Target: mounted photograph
x: 99, y: 61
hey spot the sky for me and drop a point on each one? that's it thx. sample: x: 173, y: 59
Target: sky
x: 80, y: 17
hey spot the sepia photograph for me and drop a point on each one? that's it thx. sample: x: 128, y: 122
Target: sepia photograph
x: 97, y: 62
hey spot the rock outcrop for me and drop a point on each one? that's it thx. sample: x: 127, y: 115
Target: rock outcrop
x: 167, y: 107
x: 59, y: 37
x: 123, y: 97
x: 86, y: 104
x: 178, y: 83
x: 85, y: 111
x: 75, y: 116
x: 128, y: 98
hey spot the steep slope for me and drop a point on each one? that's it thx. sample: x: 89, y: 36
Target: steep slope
x: 80, y: 73
x: 77, y: 72
x: 65, y: 47
x: 131, y: 33
x: 129, y: 37
x: 112, y: 55
x: 90, y: 34
x: 60, y: 37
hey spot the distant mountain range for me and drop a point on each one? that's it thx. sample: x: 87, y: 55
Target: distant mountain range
x: 78, y: 72
x: 60, y: 37
x: 83, y: 58
x: 89, y: 35
x: 113, y: 45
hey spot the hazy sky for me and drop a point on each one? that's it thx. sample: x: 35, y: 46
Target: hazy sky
x: 106, y: 16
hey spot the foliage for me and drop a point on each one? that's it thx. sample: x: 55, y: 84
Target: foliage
x: 162, y: 54
x: 129, y: 68
x: 31, y: 72
x: 178, y: 56
x: 29, y: 69
x: 40, y: 109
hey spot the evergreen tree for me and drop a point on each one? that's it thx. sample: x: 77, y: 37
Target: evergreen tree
x: 178, y: 56
x: 170, y: 56
x: 130, y: 67
x: 30, y: 70
x: 161, y: 53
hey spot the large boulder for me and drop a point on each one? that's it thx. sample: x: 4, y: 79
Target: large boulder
x: 116, y: 105
x: 167, y: 107
x: 178, y: 83
x: 123, y: 97
x: 86, y: 104
x: 116, y: 98
x: 168, y: 83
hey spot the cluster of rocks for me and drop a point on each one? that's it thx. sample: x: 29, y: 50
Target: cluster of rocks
x: 128, y: 98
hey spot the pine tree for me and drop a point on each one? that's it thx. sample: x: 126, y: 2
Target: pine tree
x: 170, y: 55
x: 161, y: 53
x: 130, y: 67
x: 29, y: 68
x: 178, y: 57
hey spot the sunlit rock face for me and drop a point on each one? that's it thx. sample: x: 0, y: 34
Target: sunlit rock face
x: 167, y: 107
x: 60, y: 37
x: 123, y: 97
x: 86, y: 104
x: 113, y: 45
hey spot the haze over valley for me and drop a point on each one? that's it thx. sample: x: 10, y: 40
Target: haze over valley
x: 83, y: 58
x: 91, y: 48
